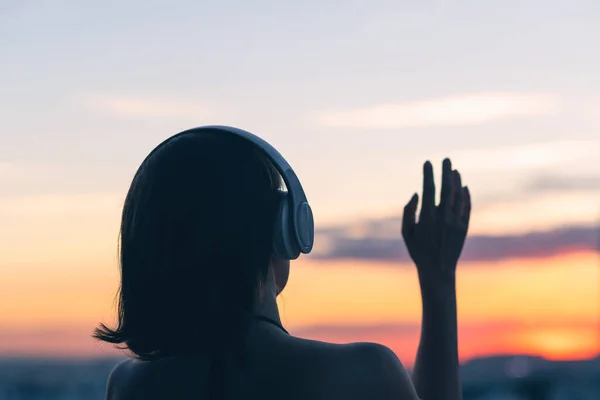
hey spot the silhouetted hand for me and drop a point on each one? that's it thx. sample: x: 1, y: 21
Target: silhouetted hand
x: 436, y: 241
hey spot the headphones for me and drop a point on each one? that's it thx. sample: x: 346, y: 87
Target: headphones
x: 294, y: 224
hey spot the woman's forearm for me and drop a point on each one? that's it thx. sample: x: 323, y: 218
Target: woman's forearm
x: 435, y: 244
x: 436, y: 370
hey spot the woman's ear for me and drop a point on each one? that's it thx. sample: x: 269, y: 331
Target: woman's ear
x: 281, y: 270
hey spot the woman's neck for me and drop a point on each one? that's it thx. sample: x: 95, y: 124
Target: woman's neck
x: 267, y: 302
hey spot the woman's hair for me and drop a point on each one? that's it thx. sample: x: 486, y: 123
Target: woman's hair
x: 195, y: 245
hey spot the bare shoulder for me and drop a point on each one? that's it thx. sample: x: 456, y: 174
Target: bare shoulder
x: 114, y: 384
x: 359, y: 371
x: 374, y: 371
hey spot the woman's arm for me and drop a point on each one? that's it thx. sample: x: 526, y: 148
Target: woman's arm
x: 435, y: 374
x: 435, y: 244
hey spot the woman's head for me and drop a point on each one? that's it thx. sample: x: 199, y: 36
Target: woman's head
x: 196, y: 244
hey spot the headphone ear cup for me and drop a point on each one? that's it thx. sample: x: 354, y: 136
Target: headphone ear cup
x: 284, y: 239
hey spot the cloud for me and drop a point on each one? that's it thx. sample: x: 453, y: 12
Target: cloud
x: 537, y: 244
x: 145, y: 107
x: 563, y: 183
x: 528, y: 156
x: 460, y: 110
x: 356, y: 331
x: 541, y: 185
x: 380, y: 240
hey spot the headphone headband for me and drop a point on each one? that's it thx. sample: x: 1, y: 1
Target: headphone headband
x: 290, y: 179
x: 295, y: 225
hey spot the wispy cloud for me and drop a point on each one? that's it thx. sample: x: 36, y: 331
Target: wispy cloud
x: 356, y: 331
x: 459, y: 110
x: 149, y: 107
x: 552, y: 183
x: 528, y: 156
x: 541, y: 185
x: 380, y: 240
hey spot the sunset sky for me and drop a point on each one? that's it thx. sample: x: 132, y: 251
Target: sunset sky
x: 356, y: 95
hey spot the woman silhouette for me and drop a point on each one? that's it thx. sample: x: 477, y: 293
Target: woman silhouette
x: 200, y: 276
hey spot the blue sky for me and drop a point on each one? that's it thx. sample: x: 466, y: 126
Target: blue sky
x: 356, y: 94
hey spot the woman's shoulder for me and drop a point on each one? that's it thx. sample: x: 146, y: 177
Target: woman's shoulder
x: 360, y: 370
x: 115, y: 379
x: 322, y: 370
x: 133, y: 378
x: 352, y: 355
x: 125, y: 375
x: 379, y: 371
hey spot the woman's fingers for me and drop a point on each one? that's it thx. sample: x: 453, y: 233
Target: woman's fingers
x: 447, y: 184
x: 428, y: 202
x: 458, y: 200
x: 466, y: 211
x: 455, y: 201
x: 409, y: 217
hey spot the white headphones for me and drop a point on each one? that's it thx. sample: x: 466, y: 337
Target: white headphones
x: 294, y: 225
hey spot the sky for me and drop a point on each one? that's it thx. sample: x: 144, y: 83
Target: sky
x: 356, y: 95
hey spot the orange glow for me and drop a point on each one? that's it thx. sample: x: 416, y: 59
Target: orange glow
x: 524, y: 290
x: 543, y: 306
x: 561, y: 343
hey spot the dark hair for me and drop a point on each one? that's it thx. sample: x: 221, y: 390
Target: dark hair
x: 195, y: 245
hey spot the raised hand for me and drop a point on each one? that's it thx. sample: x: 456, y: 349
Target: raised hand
x: 436, y: 241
